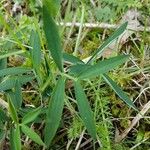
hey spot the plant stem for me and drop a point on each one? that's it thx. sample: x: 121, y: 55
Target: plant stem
x: 79, y: 34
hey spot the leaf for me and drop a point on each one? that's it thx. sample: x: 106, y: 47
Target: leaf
x: 103, y: 67
x: 52, y: 36
x: 111, y: 38
x: 16, y: 95
x: 119, y: 91
x: 14, y: 71
x: 54, y: 113
x: 11, y: 139
x: 36, y: 51
x: 84, y: 109
x: 25, y: 78
x: 31, y: 134
x: 30, y: 116
x: 78, y: 69
x: 9, y: 83
x: 15, y: 139
x: 12, y: 111
x: 52, y: 5
x: 72, y: 59
x: 3, y: 116
x: 3, y: 64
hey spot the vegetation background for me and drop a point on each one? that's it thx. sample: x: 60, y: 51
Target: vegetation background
x: 26, y: 88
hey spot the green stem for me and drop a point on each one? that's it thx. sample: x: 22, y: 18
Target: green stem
x: 102, y: 112
x: 80, y: 30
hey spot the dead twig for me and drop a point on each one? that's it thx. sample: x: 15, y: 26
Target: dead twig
x: 134, y: 122
x: 101, y: 25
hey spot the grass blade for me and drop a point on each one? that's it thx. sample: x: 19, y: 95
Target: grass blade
x: 103, y: 66
x: 31, y: 134
x: 85, y: 110
x: 52, y: 36
x: 30, y: 116
x: 119, y: 91
x: 54, y: 113
x: 111, y: 38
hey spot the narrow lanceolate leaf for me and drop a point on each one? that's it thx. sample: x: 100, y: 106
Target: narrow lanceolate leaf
x: 31, y: 134
x: 18, y: 94
x: 78, y: 69
x: 85, y: 110
x: 54, y: 113
x: 103, y: 67
x: 111, y: 38
x: 71, y: 59
x: 14, y: 71
x: 36, y: 51
x: 12, y: 111
x: 30, y: 116
x: 11, y: 139
x: 25, y: 78
x: 17, y: 138
x: 53, y: 6
x: 52, y: 37
x: 119, y: 91
x: 9, y: 83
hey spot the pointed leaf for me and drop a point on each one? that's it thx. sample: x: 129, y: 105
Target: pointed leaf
x: 119, y: 91
x: 31, y: 134
x: 54, y: 113
x: 103, y: 66
x: 71, y: 59
x: 52, y: 36
x: 111, y: 38
x: 84, y: 109
x: 30, y: 116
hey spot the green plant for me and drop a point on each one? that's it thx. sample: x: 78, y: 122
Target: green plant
x: 14, y: 78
